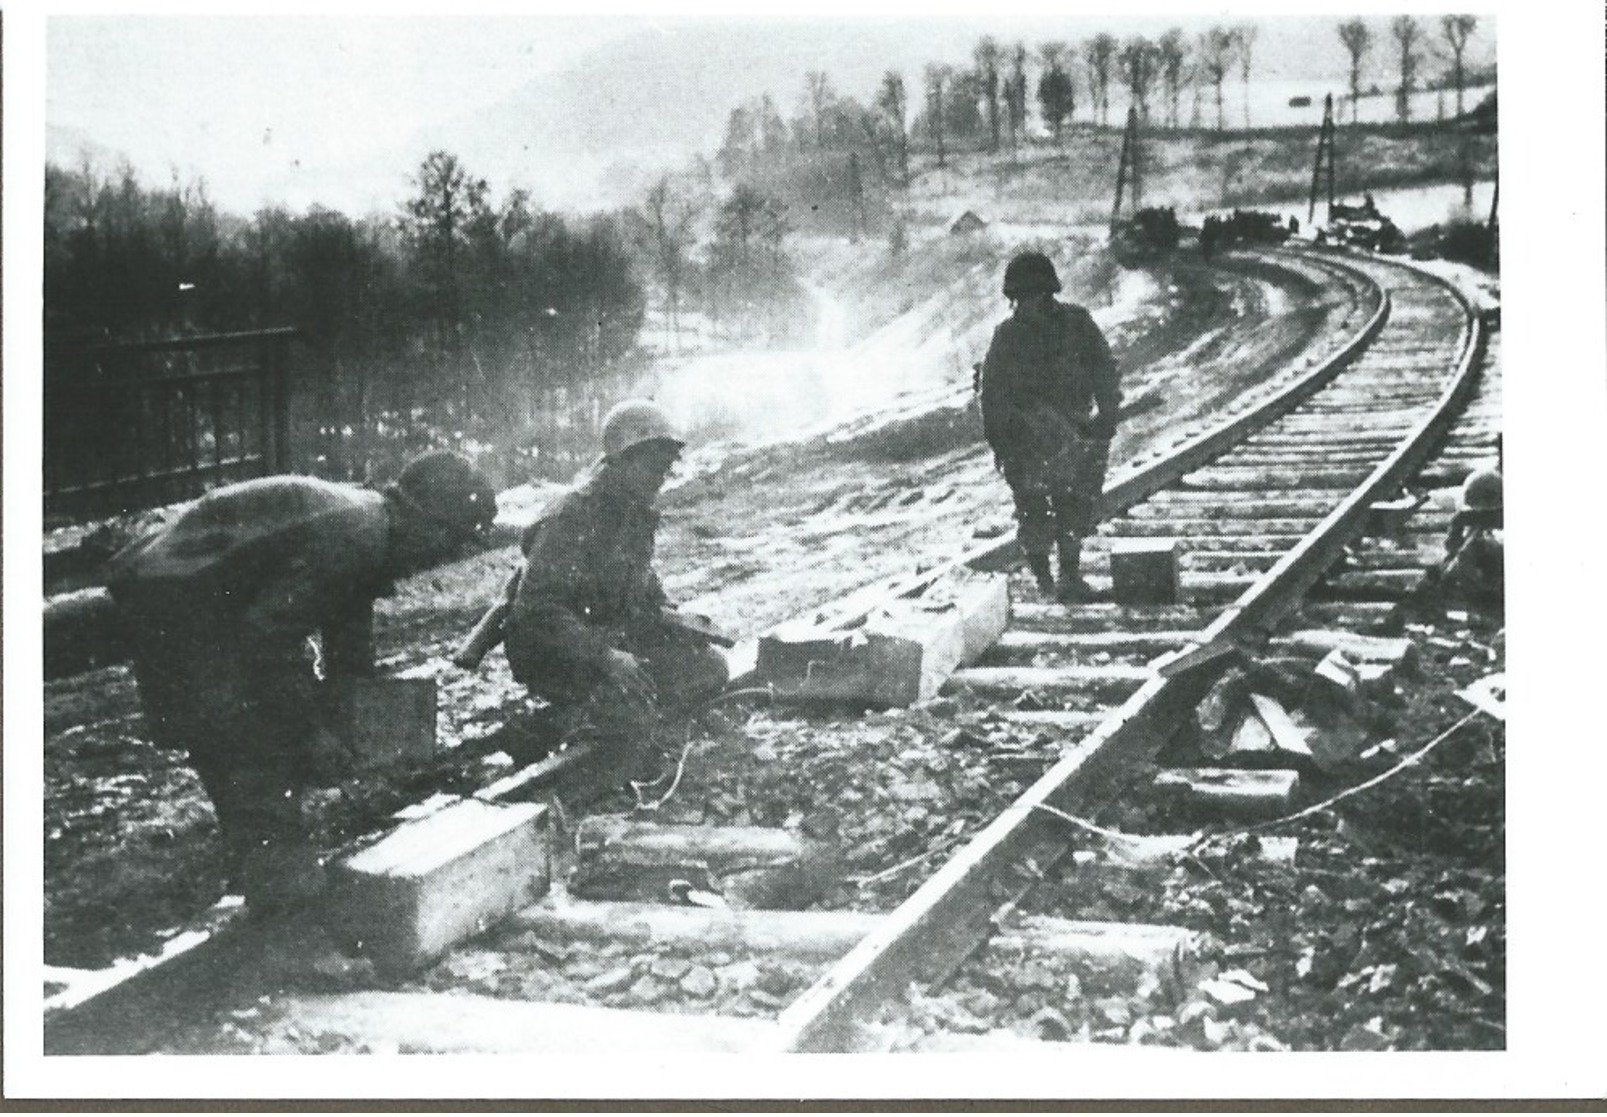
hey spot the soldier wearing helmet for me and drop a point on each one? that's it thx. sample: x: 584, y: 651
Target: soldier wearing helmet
x: 1475, y: 553
x: 1049, y: 404
x: 587, y: 630
x: 219, y: 602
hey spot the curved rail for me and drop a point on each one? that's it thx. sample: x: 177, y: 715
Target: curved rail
x: 951, y: 913
x: 946, y: 918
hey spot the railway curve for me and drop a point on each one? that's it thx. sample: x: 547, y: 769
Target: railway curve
x: 1266, y: 502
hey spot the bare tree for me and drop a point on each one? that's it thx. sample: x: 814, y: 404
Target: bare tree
x: 1173, y: 52
x: 1138, y: 61
x: 1244, y: 46
x: 1456, y: 29
x: 937, y: 79
x: 891, y: 101
x: 818, y: 88
x: 1406, y: 31
x: 440, y: 220
x: 1015, y: 93
x: 772, y: 129
x: 1100, y: 52
x: 1216, y: 55
x: 665, y: 227
x: 1358, y: 41
x: 1057, y: 97
x: 739, y: 146
x: 986, y: 56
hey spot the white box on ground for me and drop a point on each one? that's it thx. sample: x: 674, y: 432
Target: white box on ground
x: 434, y: 881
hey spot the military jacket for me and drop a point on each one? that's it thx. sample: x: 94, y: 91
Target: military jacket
x: 1061, y: 362
x: 267, y: 562
x: 588, y: 578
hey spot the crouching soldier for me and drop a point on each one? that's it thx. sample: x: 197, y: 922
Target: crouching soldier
x: 590, y: 630
x: 218, y: 605
x: 1049, y: 404
x: 1475, y: 551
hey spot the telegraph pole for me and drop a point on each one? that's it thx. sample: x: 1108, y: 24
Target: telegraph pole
x: 1325, y: 148
x: 1127, y: 166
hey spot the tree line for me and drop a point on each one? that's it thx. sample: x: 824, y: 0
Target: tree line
x: 461, y: 312
x: 984, y: 105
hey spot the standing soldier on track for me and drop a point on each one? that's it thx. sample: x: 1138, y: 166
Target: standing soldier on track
x: 218, y: 605
x: 590, y: 629
x: 1049, y: 406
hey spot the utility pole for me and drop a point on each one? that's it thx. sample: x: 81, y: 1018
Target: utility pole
x: 1325, y: 147
x: 1128, y: 166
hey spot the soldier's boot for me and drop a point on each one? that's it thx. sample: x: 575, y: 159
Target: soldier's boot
x: 1039, y: 565
x: 1071, y: 588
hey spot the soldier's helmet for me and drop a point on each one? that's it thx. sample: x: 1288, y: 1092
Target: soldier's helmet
x: 449, y: 491
x: 1481, y: 492
x: 634, y: 422
x: 1028, y: 273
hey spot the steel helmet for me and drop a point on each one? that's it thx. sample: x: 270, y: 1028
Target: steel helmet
x: 1481, y: 492
x: 1030, y: 272
x: 447, y: 490
x: 634, y: 422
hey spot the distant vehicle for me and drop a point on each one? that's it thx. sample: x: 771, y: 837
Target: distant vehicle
x: 1300, y: 102
x: 1361, y: 226
x: 1250, y: 226
x: 1149, y: 234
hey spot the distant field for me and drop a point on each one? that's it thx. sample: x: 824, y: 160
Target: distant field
x: 1074, y: 183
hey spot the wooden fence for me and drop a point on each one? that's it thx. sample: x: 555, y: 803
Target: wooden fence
x: 135, y: 426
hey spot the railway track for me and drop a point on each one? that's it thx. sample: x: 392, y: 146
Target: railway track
x: 1267, y: 506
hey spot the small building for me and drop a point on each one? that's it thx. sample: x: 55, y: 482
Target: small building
x: 967, y: 222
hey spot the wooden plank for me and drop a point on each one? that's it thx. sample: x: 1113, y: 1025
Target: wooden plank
x: 899, y: 655
x: 949, y: 914
x: 806, y: 935
x: 1286, y: 735
x: 1251, y: 793
x: 1101, y: 681
x: 621, y: 858
x: 1014, y: 646
x: 434, y: 881
x: 1096, y: 618
x: 1396, y: 651
x: 471, y: 1024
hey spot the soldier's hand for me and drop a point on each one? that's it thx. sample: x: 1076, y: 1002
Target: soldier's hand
x: 625, y: 671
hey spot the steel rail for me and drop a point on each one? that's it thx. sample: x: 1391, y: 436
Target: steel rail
x: 945, y: 920
x: 221, y: 938
x: 1130, y: 488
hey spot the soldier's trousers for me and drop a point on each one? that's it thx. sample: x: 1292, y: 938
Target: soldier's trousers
x: 1060, y: 497
x: 245, y: 715
x: 685, y: 672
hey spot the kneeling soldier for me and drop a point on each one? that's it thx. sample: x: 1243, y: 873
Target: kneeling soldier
x: 1475, y: 551
x: 218, y: 605
x: 590, y: 629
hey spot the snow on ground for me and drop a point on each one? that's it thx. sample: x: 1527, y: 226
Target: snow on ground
x: 1480, y: 288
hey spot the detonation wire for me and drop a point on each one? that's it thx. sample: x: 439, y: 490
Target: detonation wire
x: 1200, y: 840
x: 1306, y: 812
x: 686, y: 748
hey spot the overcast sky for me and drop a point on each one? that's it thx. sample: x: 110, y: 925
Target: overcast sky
x: 339, y: 110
